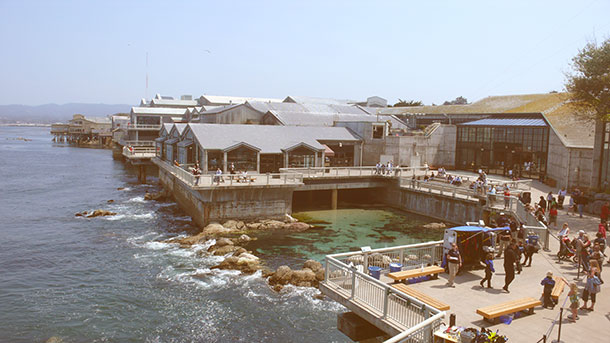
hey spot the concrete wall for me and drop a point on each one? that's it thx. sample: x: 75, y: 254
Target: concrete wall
x: 435, y: 206
x: 223, y: 203
x: 570, y: 167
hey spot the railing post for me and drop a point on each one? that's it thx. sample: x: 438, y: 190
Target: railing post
x: 365, y: 263
x: 353, y: 295
x: 546, y: 239
x: 348, y: 171
x: 267, y: 178
x: 401, y: 256
x: 326, y: 269
x: 285, y: 179
x: 427, y: 333
x: 386, y: 298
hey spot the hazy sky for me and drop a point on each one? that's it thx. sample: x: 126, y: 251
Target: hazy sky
x: 95, y: 51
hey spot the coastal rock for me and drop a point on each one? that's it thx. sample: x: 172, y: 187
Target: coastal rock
x: 319, y: 296
x: 271, y: 225
x: 290, y: 219
x: 312, y: 265
x: 221, y: 251
x: 320, y: 275
x: 239, y: 251
x: 54, y: 339
x: 253, y: 226
x: 120, y: 188
x: 222, y: 241
x: 245, y: 262
x: 188, y: 241
x: 217, y: 229
x: 304, y: 278
x: 81, y: 214
x: 110, y: 201
x: 379, y: 260
x: 156, y: 196
x: 296, y: 227
x: 101, y: 213
x: 242, y: 239
x: 435, y: 226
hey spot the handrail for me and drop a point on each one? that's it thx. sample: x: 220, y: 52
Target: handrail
x: 137, y: 143
x: 405, y: 334
x: 143, y: 126
x: 380, y: 250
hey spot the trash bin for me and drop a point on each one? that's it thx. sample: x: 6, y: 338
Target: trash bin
x: 395, y: 267
x: 375, y: 272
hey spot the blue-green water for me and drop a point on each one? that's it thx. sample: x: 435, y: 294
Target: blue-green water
x: 112, y: 279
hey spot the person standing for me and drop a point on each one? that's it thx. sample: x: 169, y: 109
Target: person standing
x: 489, y: 270
x: 549, y: 284
x: 530, y: 249
x: 561, y: 196
x: 542, y: 203
x: 505, y: 238
x: 598, y: 257
x: 574, y: 302
x: 510, y: 258
x: 553, y: 216
x: 549, y: 200
x: 592, y: 287
x: 454, y: 259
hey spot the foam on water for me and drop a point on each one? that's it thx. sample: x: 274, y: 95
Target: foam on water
x: 139, y: 199
x: 158, y: 245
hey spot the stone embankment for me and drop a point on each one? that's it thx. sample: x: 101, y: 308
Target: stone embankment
x: 230, y: 238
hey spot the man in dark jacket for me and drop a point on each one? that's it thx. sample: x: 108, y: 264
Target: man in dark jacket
x: 510, y: 258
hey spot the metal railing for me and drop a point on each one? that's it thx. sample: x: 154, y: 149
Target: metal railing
x: 137, y: 143
x: 224, y: 180
x: 131, y: 126
x: 420, y: 333
x: 138, y: 152
x: 318, y: 172
x: 346, y: 274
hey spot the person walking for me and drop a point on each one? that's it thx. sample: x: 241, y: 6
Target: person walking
x: 553, y: 216
x: 454, y: 259
x: 592, y: 287
x: 530, y: 250
x: 505, y: 238
x: 549, y: 283
x: 489, y: 270
x: 549, y: 200
x: 510, y: 258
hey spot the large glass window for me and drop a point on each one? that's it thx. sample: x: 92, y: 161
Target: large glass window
x: 243, y: 158
x: 215, y: 160
x: 301, y: 157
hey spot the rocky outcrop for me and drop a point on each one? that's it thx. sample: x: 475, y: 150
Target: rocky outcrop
x: 96, y: 213
x: 216, y: 229
x: 223, y: 246
x: 188, y: 241
x: 234, y: 225
x: 158, y: 196
x: 310, y: 276
x: 244, y: 262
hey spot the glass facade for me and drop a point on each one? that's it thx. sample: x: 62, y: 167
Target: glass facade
x: 498, y: 149
x: 243, y: 158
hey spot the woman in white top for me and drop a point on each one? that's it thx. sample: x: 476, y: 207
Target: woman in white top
x: 564, y: 231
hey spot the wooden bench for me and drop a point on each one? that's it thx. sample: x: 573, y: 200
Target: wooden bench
x: 560, y: 283
x: 411, y: 273
x: 491, y: 313
x: 426, y: 299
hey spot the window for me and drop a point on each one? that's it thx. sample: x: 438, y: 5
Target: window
x: 377, y: 131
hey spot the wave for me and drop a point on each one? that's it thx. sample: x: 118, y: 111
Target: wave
x: 158, y: 245
x: 139, y: 199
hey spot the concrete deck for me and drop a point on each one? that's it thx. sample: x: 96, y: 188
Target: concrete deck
x: 467, y: 296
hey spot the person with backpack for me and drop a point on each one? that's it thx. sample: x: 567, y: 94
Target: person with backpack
x: 549, y: 283
x: 592, y: 287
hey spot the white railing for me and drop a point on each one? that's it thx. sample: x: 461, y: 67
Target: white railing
x: 131, y: 126
x: 138, y: 143
x: 422, y: 332
x: 138, y: 152
x: 224, y: 180
x: 345, y: 273
x: 318, y: 172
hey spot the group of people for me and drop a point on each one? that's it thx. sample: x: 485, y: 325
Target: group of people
x: 385, y: 169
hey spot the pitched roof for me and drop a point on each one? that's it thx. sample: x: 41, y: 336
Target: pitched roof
x: 229, y: 100
x: 317, y: 119
x: 507, y: 122
x: 267, y: 138
x: 265, y: 107
x: 182, y: 103
x: 314, y: 100
x: 158, y: 110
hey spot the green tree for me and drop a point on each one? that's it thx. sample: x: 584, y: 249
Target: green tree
x: 410, y: 103
x: 589, y: 80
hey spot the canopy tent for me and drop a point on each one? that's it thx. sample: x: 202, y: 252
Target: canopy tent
x: 477, y: 229
x: 470, y: 241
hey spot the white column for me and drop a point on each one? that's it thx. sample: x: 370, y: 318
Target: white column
x: 258, y: 162
x: 205, y: 161
x: 224, y: 162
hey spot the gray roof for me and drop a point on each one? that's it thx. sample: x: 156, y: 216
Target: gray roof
x: 314, y: 100
x: 317, y: 119
x: 265, y: 107
x: 270, y: 139
x: 182, y: 103
x: 159, y: 111
x: 180, y: 127
x: 230, y: 100
x: 217, y: 109
x: 507, y: 122
x: 99, y: 120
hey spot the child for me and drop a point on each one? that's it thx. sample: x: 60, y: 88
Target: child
x: 591, y: 289
x: 549, y: 284
x: 574, y: 302
x: 489, y: 269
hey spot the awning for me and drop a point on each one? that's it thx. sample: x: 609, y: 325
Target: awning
x: 185, y: 143
x: 328, y: 152
x: 171, y: 141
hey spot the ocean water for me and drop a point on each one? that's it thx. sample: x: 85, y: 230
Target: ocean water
x: 112, y: 279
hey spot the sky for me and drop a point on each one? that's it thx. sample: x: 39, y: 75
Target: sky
x: 432, y: 51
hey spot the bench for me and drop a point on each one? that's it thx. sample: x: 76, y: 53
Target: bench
x: 411, y: 273
x: 491, y: 313
x: 426, y: 299
x: 560, y: 283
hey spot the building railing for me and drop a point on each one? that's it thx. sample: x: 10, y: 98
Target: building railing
x: 317, y: 172
x: 420, y: 333
x: 345, y: 273
x: 138, y: 152
x: 137, y: 143
x: 131, y: 126
x: 212, y: 180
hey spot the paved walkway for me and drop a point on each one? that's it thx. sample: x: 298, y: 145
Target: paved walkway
x: 467, y: 296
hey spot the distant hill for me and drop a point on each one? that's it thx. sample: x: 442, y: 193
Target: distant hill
x: 52, y: 113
